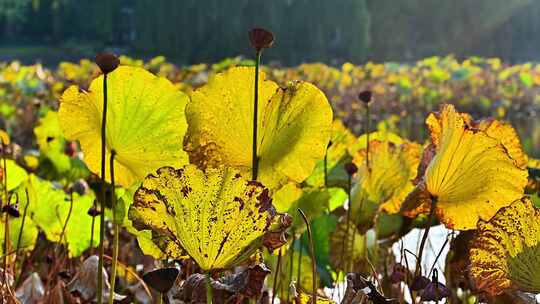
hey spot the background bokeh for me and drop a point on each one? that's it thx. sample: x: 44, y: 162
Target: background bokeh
x: 193, y: 31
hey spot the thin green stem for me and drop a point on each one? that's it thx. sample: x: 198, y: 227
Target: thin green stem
x: 276, y: 274
x: 6, y: 228
x: 254, y: 156
x: 312, y: 253
x: 209, y: 291
x: 116, y: 230
x: 102, y: 203
x: 368, y: 118
x: 299, y: 261
x: 349, y: 211
x: 291, y: 261
x: 326, y: 169
x: 20, y: 233
x: 92, y: 233
x: 62, y: 234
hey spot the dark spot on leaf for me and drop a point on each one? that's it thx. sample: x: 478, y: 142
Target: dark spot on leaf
x: 186, y: 190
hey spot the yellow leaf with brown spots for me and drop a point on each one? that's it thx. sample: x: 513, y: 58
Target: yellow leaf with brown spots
x: 217, y: 216
x: 505, y: 252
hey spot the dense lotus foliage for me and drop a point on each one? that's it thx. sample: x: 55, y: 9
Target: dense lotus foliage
x: 334, y: 196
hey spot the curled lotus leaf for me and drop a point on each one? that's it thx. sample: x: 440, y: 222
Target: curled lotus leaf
x: 145, y: 123
x: 471, y: 173
x: 216, y: 216
x: 389, y: 177
x: 508, y: 137
x: 294, y: 126
x: 502, y: 131
x: 505, y: 253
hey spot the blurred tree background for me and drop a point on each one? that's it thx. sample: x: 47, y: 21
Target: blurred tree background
x: 192, y: 31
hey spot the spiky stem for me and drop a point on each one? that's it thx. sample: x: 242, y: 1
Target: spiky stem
x: 102, y: 203
x: 312, y: 253
x: 254, y: 156
x: 116, y: 230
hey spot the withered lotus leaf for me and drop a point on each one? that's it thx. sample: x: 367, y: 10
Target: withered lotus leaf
x: 505, y: 253
x: 218, y: 217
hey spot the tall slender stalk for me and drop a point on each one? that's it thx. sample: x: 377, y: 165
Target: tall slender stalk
x: 92, y: 231
x: 116, y: 230
x: 312, y: 253
x: 299, y: 261
x: 278, y: 270
x: 326, y: 169
x: 209, y: 291
x: 20, y: 233
x: 349, y: 216
x: 425, y: 236
x: 368, y: 118
x: 254, y: 156
x: 6, y: 233
x: 291, y: 261
x: 102, y: 194
x: 62, y: 234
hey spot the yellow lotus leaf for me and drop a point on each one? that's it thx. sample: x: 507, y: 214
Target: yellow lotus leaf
x: 145, y: 123
x: 533, y: 163
x: 471, y: 174
x: 508, y: 137
x: 392, y: 168
x: 217, y: 216
x: 381, y: 135
x: 4, y: 137
x: 306, y: 298
x: 336, y: 157
x: 506, y: 250
x: 294, y: 126
x: 502, y: 131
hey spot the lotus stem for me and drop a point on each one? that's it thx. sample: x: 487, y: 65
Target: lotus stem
x: 6, y: 228
x: 312, y: 253
x: 438, y: 256
x: 62, y: 234
x: 102, y: 194
x: 278, y: 270
x: 92, y: 232
x: 254, y: 156
x: 425, y: 236
x: 326, y: 169
x: 209, y: 291
x: 368, y: 118
x: 291, y: 261
x: 116, y: 230
x: 20, y: 234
